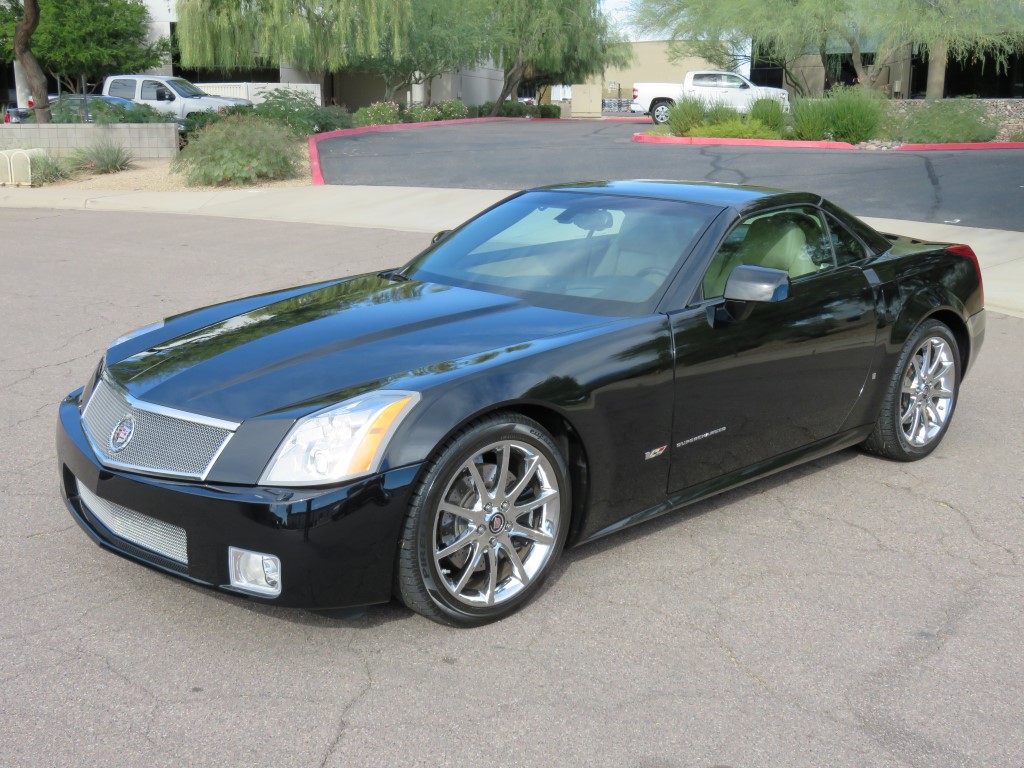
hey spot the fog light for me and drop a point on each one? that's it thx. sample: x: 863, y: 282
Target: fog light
x: 254, y: 572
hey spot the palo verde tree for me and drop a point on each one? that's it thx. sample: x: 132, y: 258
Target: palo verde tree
x: 567, y: 39
x: 441, y: 36
x: 959, y: 30
x: 81, y: 41
x: 19, y: 39
x: 314, y: 35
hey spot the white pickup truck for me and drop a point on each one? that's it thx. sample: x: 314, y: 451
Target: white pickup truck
x: 167, y: 94
x: 654, y: 99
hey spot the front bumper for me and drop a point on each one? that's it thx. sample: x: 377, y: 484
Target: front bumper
x: 337, y: 546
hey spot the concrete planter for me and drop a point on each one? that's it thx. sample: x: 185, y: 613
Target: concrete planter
x: 146, y: 141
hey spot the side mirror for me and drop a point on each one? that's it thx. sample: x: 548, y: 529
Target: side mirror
x: 749, y: 283
x: 162, y: 94
x: 440, y: 236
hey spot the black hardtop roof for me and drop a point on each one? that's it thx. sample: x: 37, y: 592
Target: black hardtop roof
x: 736, y: 196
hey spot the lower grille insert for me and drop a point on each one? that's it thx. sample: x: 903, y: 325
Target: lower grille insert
x: 164, y: 539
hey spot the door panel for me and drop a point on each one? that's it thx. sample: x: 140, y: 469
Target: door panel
x: 787, y: 375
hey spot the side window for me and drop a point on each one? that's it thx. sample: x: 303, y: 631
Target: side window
x: 848, y: 248
x: 793, y: 239
x: 731, y: 81
x: 124, y: 89
x: 705, y: 81
x: 153, y: 90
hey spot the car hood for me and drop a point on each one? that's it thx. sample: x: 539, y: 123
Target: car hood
x: 322, y: 345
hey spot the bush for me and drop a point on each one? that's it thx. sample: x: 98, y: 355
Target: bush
x: 514, y: 109
x: 300, y: 111
x: 769, y: 112
x: 855, y: 114
x: 950, y: 121
x: 736, y: 129
x: 47, y: 170
x: 720, y: 113
x: 485, y: 109
x: 238, y: 150
x: 845, y: 114
x: 452, y: 110
x: 104, y: 156
x: 532, y: 110
x: 383, y: 113
x: 418, y: 113
x: 686, y: 114
x: 473, y: 110
x: 361, y: 117
x: 550, y: 111
x: 811, y: 120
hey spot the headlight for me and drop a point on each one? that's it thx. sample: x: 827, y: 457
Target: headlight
x: 139, y: 332
x: 341, y: 442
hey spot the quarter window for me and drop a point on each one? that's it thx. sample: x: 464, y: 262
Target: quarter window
x: 124, y: 89
x: 848, y: 248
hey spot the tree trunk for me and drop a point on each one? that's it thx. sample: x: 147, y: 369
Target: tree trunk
x: 510, y: 86
x: 33, y: 72
x: 938, y: 53
x: 823, y: 53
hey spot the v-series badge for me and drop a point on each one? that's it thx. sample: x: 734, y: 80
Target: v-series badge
x: 701, y: 437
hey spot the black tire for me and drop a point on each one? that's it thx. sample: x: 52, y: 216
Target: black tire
x: 657, y: 112
x: 478, y: 529
x: 909, y: 392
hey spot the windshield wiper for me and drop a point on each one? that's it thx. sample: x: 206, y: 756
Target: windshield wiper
x: 393, y: 274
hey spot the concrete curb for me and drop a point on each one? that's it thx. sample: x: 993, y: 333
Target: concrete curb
x: 643, y: 138
x: 950, y: 147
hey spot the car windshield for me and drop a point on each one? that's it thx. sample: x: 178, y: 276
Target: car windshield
x: 596, y: 253
x: 186, y: 89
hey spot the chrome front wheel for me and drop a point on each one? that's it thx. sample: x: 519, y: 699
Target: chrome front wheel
x: 487, y: 523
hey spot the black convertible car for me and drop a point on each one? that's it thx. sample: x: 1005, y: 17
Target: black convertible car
x: 572, y: 361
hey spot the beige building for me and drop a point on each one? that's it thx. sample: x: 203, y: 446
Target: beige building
x: 651, y: 64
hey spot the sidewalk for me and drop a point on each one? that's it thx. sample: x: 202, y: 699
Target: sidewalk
x: 421, y: 209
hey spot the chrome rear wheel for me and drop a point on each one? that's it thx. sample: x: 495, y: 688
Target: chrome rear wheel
x: 926, y: 399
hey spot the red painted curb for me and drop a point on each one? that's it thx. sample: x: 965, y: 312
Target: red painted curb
x: 643, y: 138
x: 316, y: 138
x: 979, y: 145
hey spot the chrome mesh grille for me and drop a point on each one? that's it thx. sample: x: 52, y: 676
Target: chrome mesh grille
x: 165, y: 539
x: 161, y: 444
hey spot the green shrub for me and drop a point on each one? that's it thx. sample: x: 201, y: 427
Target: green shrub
x: 811, y: 120
x: 736, y: 129
x: 485, y: 109
x: 844, y: 114
x: 418, y: 113
x: 550, y: 111
x: 452, y: 109
x: 103, y: 156
x: 718, y: 112
x: 238, y: 150
x: 361, y: 117
x: 532, y: 110
x: 661, y: 130
x: 514, y: 109
x: 769, y: 112
x: 47, y: 170
x: 300, y: 111
x: 855, y: 114
x: 686, y: 114
x: 472, y: 110
x: 950, y: 121
x: 383, y: 113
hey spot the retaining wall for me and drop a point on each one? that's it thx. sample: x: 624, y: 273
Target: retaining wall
x: 147, y: 141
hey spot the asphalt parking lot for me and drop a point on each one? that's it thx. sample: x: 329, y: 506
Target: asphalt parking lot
x: 850, y: 612
x: 976, y: 189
